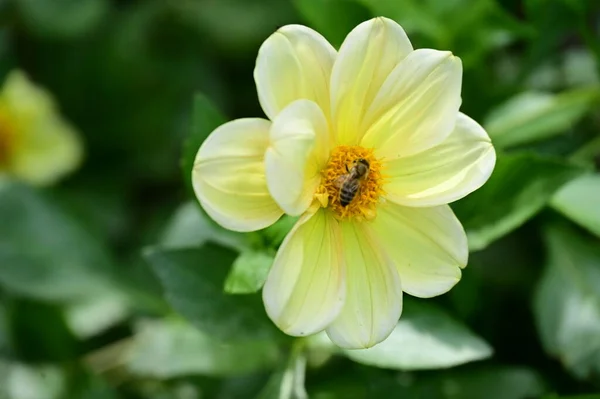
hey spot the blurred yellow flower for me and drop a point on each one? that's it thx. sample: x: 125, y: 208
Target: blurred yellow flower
x: 36, y: 144
x: 376, y: 106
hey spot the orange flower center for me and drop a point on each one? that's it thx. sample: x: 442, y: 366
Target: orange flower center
x: 345, y: 188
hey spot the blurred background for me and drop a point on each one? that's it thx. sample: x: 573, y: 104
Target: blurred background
x: 114, y: 284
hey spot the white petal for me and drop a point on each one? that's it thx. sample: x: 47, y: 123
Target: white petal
x: 428, y: 246
x: 305, y: 288
x: 229, y: 176
x: 374, y: 295
x: 297, y: 153
x: 417, y: 105
x: 366, y: 58
x: 447, y: 172
x: 293, y: 63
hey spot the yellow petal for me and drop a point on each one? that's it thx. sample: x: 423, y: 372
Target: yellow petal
x: 428, y: 246
x: 297, y: 153
x: 447, y: 172
x: 229, y: 176
x: 417, y: 105
x: 43, y: 146
x: 366, y: 58
x: 305, y: 288
x: 293, y: 63
x: 374, y: 295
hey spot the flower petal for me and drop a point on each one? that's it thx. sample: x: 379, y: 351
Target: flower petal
x: 305, y: 288
x: 298, y: 151
x: 417, y: 105
x: 43, y: 146
x: 447, y: 172
x: 229, y: 176
x: 374, y: 295
x: 366, y: 58
x: 293, y: 63
x: 428, y: 246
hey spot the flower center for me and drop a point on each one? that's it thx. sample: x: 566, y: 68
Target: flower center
x: 351, y: 184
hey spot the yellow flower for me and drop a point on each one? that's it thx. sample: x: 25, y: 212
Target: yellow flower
x: 343, y: 268
x: 36, y: 145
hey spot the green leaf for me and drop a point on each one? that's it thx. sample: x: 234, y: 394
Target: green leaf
x: 567, y: 301
x: 334, y: 19
x: 172, y: 348
x: 534, y: 116
x: 519, y: 187
x: 45, y: 253
x: 206, y: 117
x: 249, y: 272
x: 193, y: 282
x: 579, y: 200
x: 62, y: 18
x: 20, y: 381
x: 425, y: 338
x: 190, y: 227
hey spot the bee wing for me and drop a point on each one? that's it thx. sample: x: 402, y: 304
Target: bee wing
x: 339, y: 182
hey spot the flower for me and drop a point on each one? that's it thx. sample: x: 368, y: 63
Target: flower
x: 343, y: 269
x: 36, y: 144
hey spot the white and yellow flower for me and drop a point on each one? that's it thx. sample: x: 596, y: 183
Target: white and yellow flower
x: 343, y: 269
x: 36, y: 144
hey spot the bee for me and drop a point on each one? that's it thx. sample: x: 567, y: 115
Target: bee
x: 349, y: 183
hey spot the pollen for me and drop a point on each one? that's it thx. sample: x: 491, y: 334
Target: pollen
x: 364, y: 205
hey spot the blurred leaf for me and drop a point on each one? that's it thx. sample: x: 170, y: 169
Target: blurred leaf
x: 519, y: 187
x: 334, y: 19
x: 488, y: 383
x: 193, y: 282
x: 171, y: 348
x: 62, y: 18
x: 580, y: 68
x: 20, y: 381
x: 45, y: 253
x: 205, y: 118
x: 425, y: 338
x: 288, y: 383
x: 190, y: 227
x: 534, y: 116
x: 579, y: 200
x: 249, y: 272
x: 90, y: 317
x: 567, y: 301
x: 56, y: 344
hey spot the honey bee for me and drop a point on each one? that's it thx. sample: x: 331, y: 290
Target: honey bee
x: 349, y: 183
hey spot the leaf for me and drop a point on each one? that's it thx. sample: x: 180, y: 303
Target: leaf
x: 206, y: 117
x: 334, y: 19
x: 567, y: 301
x: 519, y: 187
x: 579, y: 200
x: 190, y: 227
x: 62, y: 18
x: 172, y: 348
x: 534, y: 116
x: 45, y: 253
x: 425, y: 338
x: 249, y: 272
x: 275, y: 233
x: 20, y: 381
x: 193, y: 283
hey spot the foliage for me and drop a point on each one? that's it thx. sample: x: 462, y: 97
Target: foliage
x: 115, y: 284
